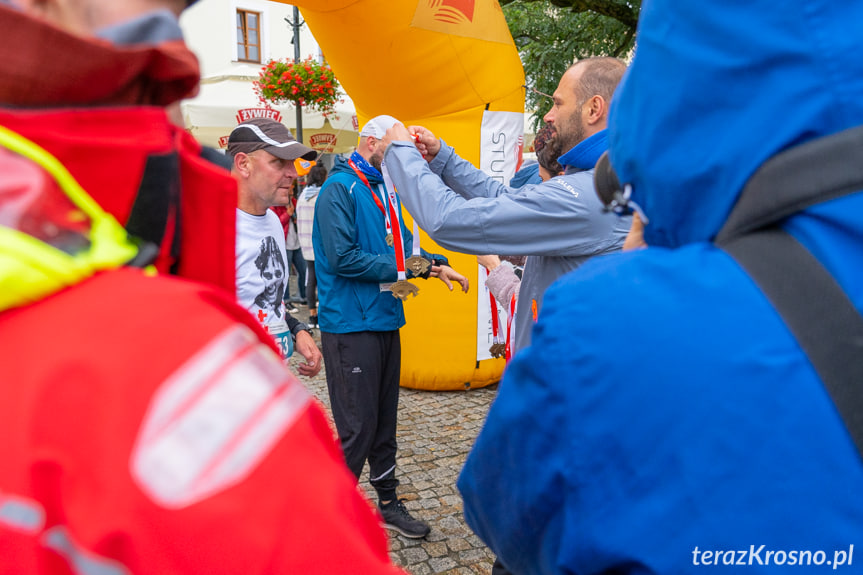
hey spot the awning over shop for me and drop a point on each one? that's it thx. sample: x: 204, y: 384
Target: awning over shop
x: 228, y: 98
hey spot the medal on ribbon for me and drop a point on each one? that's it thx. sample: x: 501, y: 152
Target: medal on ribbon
x: 416, y: 263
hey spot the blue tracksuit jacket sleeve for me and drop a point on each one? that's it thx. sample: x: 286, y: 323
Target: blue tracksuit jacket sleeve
x: 336, y: 213
x: 472, y: 213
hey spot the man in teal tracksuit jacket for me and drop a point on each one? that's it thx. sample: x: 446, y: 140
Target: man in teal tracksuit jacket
x: 360, y: 318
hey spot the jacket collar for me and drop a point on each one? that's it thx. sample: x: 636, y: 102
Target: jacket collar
x: 366, y: 168
x: 586, y: 153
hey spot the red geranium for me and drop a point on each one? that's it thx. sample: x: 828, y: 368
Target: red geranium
x: 308, y: 83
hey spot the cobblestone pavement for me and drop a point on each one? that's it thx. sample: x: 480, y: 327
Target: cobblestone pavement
x: 436, y: 430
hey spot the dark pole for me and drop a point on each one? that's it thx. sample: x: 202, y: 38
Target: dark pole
x: 296, y: 24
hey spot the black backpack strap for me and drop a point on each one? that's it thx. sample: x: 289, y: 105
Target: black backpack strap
x: 816, y: 310
x: 814, y: 172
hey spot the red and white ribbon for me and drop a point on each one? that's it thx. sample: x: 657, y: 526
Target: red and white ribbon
x: 509, y: 323
x: 495, y: 320
x: 396, y: 222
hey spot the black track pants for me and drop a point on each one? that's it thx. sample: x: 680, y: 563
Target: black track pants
x: 363, y: 383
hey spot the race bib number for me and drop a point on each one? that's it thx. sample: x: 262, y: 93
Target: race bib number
x: 280, y: 332
x: 285, y: 343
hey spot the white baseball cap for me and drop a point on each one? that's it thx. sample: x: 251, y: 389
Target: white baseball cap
x: 378, y: 126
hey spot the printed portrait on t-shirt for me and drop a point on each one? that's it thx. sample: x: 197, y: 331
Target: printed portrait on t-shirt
x: 272, y: 268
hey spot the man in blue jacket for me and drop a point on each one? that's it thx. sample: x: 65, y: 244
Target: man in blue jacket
x: 558, y: 224
x: 356, y: 233
x: 664, y: 418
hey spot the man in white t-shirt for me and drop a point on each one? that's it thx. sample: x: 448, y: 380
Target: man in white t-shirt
x: 263, y: 153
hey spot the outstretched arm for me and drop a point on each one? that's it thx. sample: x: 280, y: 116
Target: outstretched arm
x: 463, y: 178
x: 560, y: 217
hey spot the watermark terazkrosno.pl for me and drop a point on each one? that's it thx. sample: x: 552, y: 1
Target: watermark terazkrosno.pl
x: 760, y: 555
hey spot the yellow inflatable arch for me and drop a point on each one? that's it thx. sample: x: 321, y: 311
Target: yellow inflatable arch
x: 451, y: 66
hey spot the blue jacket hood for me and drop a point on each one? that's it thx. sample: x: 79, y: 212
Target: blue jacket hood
x: 718, y: 87
x: 528, y: 174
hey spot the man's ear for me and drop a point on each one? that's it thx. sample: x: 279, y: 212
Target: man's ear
x: 369, y: 143
x: 597, y: 109
x: 241, y: 164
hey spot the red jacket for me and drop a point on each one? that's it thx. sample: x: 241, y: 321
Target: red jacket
x: 126, y: 441
x: 148, y: 425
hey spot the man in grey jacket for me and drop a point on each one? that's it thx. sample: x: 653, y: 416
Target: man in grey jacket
x: 559, y: 223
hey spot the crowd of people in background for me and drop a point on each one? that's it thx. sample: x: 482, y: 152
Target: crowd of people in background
x: 305, y: 220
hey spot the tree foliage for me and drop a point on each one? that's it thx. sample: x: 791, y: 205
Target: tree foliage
x: 551, y: 34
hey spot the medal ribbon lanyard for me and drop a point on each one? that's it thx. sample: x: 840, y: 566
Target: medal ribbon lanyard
x: 396, y: 223
x: 377, y: 200
x: 509, y: 321
x: 495, y: 320
x: 415, y: 252
x: 495, y: 325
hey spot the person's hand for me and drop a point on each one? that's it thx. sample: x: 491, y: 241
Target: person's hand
x: 489, y: 262
x: 425, y: 141
x: 635, y: 238
x: 448, y: 275
x: 396, y: 133
x: 306, y: 347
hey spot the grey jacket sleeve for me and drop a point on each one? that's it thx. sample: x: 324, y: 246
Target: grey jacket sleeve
x: 560, y: 217
x: 464, y: 178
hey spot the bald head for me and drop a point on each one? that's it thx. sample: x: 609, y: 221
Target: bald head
x: 598, y: 77
x: 581, y: 100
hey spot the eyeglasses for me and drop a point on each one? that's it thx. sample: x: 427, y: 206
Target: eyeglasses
x: 535, y: 91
